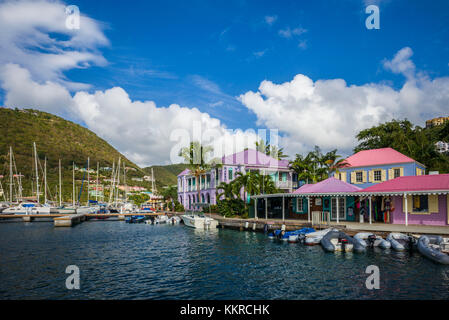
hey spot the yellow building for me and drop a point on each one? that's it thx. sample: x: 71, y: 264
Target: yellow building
x: 436, y: 122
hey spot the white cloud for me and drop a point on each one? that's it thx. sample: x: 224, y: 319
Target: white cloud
x: 31, y: 74
x: 302, y: 44
x: 270, y: 19
x: 329, y: 113
x: 288, y: 33
x: 259, y: 54
x: 34, y: 36
x: 401, y: 63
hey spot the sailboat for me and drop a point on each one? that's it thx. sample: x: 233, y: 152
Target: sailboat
x: 28, y: 207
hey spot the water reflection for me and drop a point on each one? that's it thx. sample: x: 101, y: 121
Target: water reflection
x: 122, y: 261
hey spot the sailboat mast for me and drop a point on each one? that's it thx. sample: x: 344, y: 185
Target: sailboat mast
x: 111, y: 189
x: 73, y: 194
x: 88, y: 180
x: 96, y: 187
x: 10, y: 174
x: 37, y: 172
x: 124, y: 182
x: 60, y: 185
x: 118, y: 182
x: 45, y: 180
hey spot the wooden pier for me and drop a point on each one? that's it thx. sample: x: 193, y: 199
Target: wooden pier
x: 69, y: 220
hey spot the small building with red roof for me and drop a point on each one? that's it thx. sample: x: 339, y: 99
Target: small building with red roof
x: 331, y: 198
x: 369, y: 167
x: 417, y: 200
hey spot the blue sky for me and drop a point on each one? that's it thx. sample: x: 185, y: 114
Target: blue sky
x: 135, y: 72
x: 158, y: 47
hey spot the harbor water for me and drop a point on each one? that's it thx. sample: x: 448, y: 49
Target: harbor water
x: 138, y: 261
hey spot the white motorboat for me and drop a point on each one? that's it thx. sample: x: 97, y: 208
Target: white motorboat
x: 199, y: 221
x: 174, y: 220
x: 27, y: 208
x: 87, y: 209
x: 161, y: 219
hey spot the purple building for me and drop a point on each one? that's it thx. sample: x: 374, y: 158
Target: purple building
x: 244, y: 161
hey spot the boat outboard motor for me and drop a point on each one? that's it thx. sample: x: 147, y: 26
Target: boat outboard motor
x: 344, y: 242
x: 281, y: 234
x: 371, y: 239
x: 411, y: 243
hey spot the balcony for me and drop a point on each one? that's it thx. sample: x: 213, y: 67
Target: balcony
x: 283, y: 184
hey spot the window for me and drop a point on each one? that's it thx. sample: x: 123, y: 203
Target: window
x: 284, y: 176
x: 230, y: 174
x: 397, y: 173
x: 420, y: 203
x: 299, y: 205
x: 359, y: 176
x: 217, y: 172
x: 377, y: 175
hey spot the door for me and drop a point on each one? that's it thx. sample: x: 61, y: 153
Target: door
x: 342, y: 209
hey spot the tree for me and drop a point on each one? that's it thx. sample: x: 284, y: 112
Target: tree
x: 334, y: 162
x: 269, y: 150
x: 227, y: 191
x: 413, y: 141
x: 195, y: 155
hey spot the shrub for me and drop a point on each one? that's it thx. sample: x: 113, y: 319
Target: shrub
x: 231, y: 207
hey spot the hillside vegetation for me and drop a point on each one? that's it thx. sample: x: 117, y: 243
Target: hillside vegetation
x: 55, y: 139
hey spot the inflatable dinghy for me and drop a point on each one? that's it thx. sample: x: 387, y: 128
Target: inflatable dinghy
x: 434, y: 248
x: 314, y: 238
x: 368, y: 239
x: 340, y: 241
x: 401, y: 241
x: 291, y: 236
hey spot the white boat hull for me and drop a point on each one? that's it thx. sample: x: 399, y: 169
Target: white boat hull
x: 199, y: 222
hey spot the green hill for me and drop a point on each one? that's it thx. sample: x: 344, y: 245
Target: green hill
x: 55, y: 139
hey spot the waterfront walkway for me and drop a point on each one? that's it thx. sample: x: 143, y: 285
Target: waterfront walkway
x: 349, y: 227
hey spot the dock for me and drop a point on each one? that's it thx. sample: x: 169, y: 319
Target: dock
x: 69, y: 220
x: 351, y: 228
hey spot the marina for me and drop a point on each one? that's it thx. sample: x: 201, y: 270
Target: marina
x: 120, y: 261
x: 241, y: 151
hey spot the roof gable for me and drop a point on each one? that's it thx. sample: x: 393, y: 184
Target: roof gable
x: 184, y: 172
x: 412, y: 183
x: 330, y: 185
x: 375, y: 157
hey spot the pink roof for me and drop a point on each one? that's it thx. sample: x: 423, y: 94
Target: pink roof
x: 330, y: 185
x: 412, y: 183
x: 376, y: 157
x: 184, y: 173
x: 255, y: 158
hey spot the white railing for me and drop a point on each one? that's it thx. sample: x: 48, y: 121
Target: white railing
x: 320, y: 217
x: 284, y: 184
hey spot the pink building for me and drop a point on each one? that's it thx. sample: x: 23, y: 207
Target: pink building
x: 244, y: 161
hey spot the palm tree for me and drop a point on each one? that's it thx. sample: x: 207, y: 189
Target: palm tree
x: 262, y: 147
x: 227, y: 191
x: 333, y: 162
x: 277, y: 153
x: 195, y: 155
